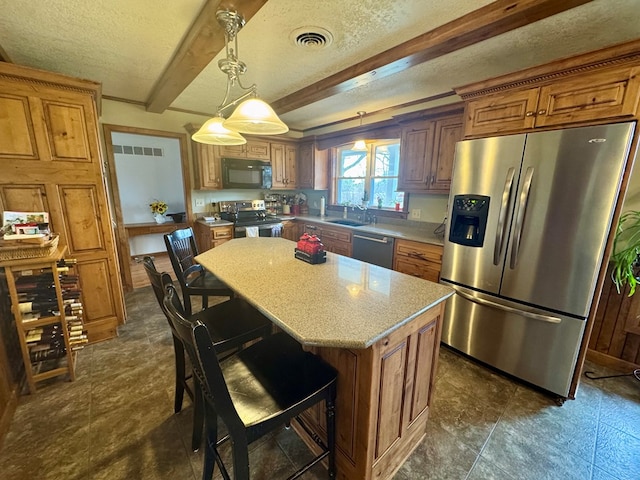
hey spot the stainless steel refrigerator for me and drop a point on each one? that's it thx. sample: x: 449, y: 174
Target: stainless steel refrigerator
x: 529, y: 218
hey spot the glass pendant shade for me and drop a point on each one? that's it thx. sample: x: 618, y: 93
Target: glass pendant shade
x: 255, y: 116
x: 359, y: 145
x: 214, y: 133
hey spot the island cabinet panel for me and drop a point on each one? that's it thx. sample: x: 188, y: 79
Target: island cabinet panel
x: 384, y: 394
x: 51, y: 161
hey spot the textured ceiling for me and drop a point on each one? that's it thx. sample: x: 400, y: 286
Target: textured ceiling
x: 127, y: 45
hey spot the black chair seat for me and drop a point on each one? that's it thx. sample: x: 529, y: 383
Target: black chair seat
x: 264, y: 386
x: 273, y: 373
x: 233, y: 323
x: 207, y: 282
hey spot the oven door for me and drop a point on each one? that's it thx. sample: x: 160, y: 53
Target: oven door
x: 270, y: 230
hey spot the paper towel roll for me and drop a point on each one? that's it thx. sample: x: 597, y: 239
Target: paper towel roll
x: 322, y: 207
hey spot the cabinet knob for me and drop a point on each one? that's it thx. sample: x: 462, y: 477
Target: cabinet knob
x: 433, y: 179
x: 528, y: 114
x: 542, y: 112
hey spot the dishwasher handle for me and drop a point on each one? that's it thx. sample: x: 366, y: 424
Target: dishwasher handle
x: 371, y: 239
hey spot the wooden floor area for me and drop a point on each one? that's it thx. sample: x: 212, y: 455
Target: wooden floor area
x: 138, y: 274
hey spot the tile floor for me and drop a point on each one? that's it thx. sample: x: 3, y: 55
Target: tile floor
x: 116, y: 422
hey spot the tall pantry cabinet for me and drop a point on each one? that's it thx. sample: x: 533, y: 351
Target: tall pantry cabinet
x: 50, y: 160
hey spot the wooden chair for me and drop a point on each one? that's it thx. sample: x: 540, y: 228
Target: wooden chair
x: 255, y: 391
x: 194, y: 279
x: 232, y: 324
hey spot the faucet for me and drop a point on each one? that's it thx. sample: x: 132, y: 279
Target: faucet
x: 344, y: 213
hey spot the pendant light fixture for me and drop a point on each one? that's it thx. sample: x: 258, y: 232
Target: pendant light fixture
x: 360, y: 145
x: 252, y: 115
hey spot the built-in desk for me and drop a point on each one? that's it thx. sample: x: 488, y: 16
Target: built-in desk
x: 379, y: 328
x: 137, y: 229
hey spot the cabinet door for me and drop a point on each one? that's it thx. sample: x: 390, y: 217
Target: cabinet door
x: 312, y: 167
x: 448, y: 132
x: 233, y: 151
x: 278, y: 166
x: 291, y: 175
x: 608, y: 94
x: 502, y: 112
x: 416, y: 148
x: 51, y: 160
x: 257, y: 150
x: 208, y: 166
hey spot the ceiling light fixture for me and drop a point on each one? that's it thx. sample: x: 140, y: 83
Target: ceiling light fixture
x: 252, y: 115
x: 360, y: 145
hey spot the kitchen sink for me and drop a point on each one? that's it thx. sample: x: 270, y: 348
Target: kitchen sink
x: 350, y: 223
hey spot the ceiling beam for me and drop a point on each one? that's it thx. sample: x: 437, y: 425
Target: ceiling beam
x: 202, y: 42
x: 489, y: 21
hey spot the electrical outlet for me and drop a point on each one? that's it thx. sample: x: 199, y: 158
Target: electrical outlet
x: 415, y: 213
x: 199, y: 202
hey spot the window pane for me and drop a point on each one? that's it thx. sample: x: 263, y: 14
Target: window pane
x: 387, y: 160
x: 350, y: 190
x: 353, y: 164
x: 385, y: 188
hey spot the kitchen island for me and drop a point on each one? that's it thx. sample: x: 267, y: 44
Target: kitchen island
x: 379, y: 328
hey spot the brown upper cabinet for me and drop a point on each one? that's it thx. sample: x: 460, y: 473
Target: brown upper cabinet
x: 427, y: 151
x: 283, y: 165
x: 253, y: 150
x: 593, y: 88
x: 313, y: 167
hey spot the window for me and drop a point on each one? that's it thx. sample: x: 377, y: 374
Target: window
x: 369, y: 176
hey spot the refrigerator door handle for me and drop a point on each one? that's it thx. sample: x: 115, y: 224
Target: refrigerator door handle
x: 506, y: 308
x: 522, y: 208
x: 500, y: 229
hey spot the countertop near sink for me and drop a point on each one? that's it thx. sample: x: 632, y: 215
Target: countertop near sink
x: 416, y: 231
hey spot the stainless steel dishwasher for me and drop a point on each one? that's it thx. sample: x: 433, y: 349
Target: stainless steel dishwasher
x: 373, y: 248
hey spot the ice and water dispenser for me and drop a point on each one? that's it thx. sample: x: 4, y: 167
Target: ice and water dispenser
x: 469, y: 220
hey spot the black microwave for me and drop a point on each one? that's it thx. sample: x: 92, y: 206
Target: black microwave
x: 238, y: 173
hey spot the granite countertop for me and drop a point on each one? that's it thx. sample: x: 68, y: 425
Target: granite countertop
x: 217, y: 223
x: 416, y: 231
x: 342, y: 303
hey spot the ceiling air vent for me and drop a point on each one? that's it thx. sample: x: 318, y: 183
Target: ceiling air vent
x: 314, y: 38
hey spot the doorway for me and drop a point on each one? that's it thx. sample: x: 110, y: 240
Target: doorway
x: 145, y: 166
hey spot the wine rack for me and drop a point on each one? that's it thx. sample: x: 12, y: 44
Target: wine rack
x: 46, y: 302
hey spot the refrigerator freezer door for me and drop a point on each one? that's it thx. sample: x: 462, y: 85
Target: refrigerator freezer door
x: 537, y: 346
x: 564, y: 206
x: 491, y: 167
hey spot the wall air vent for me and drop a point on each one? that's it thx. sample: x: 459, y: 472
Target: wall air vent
x: 131, y: 150
x: 314, y: 38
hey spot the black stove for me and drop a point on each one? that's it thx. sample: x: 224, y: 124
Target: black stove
x: 250, y: 214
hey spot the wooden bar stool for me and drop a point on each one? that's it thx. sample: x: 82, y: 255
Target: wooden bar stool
x: 194, y: 279
x: 259, y: 389
x: 232, y: 324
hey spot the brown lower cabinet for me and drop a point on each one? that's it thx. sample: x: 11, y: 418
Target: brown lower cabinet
x: 422, y: 260
x: 384, y: 396
x: 210, y: 236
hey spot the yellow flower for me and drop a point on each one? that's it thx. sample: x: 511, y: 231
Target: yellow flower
x: 158, y: 207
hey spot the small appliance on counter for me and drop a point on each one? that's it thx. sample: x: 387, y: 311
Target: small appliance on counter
x: 310, y: 249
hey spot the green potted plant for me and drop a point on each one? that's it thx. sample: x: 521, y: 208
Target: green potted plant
x: 626, y: 251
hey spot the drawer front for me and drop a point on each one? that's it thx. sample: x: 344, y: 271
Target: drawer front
x: 339, y: 234
x: 221, y: 233
x: 420, y: 269
x: 419, y: 251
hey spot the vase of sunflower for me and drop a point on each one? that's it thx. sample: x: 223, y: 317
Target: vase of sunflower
x: 158, y: 209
